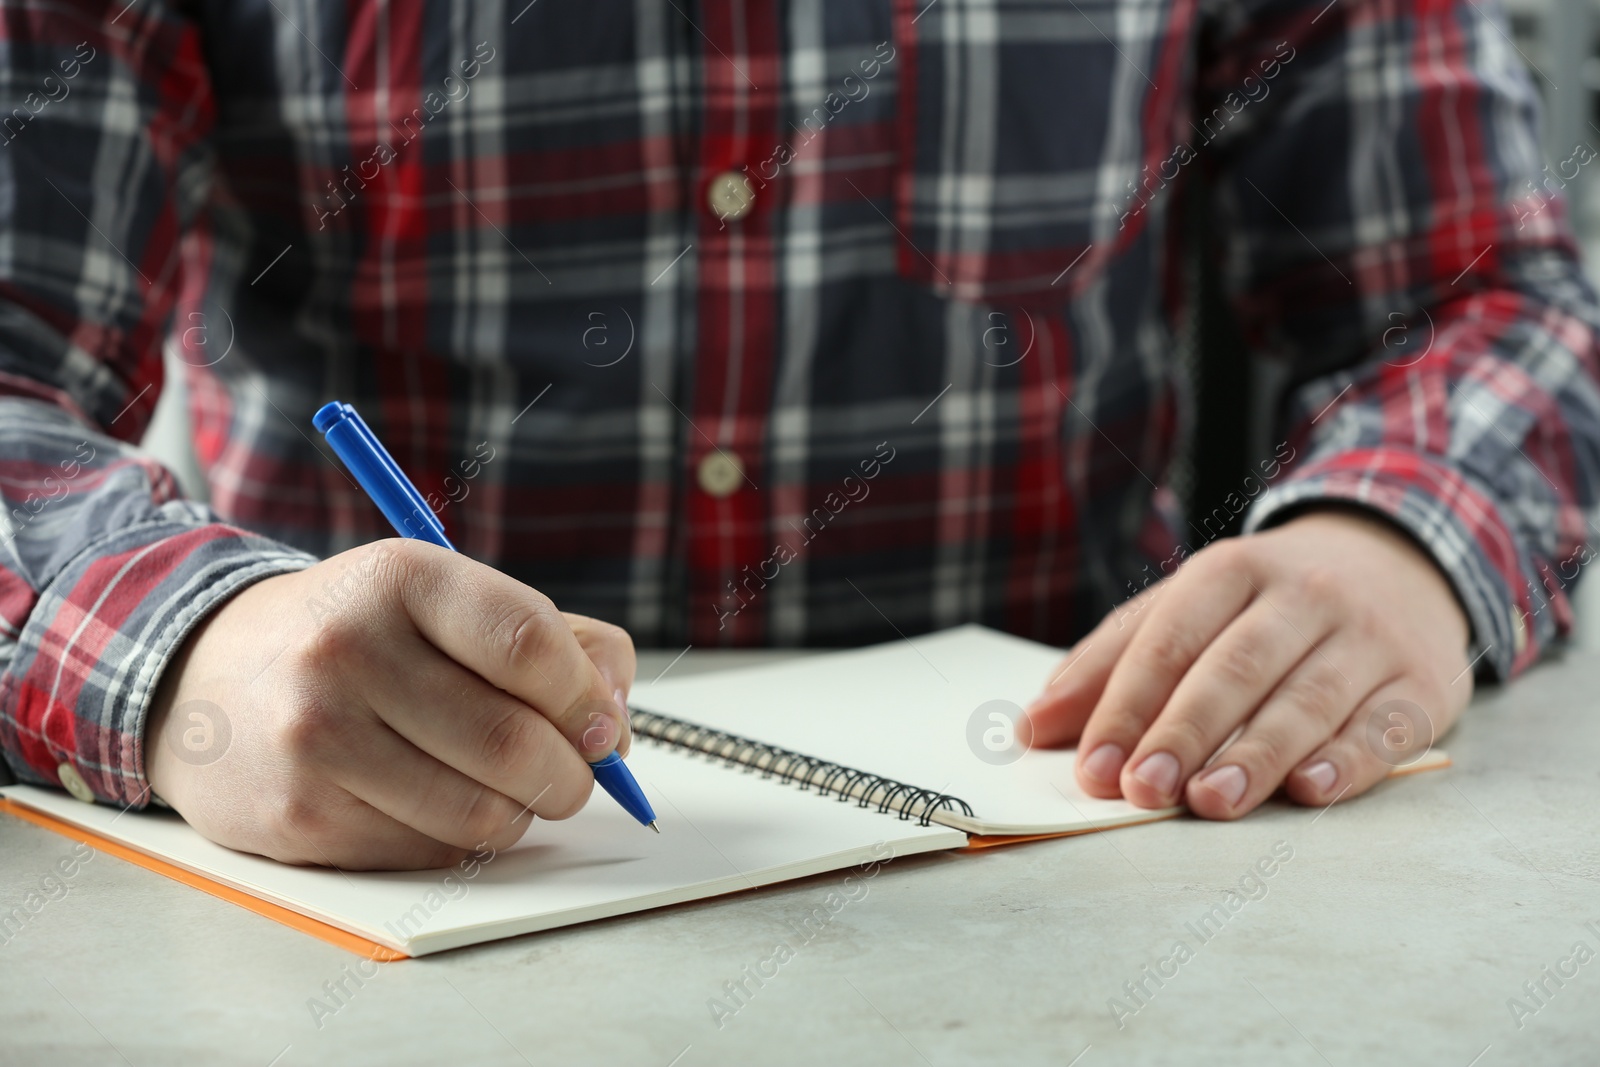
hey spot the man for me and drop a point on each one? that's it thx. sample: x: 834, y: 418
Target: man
x: 742, y: 322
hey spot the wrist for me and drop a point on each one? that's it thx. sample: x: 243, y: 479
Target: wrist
x: 185, y: 730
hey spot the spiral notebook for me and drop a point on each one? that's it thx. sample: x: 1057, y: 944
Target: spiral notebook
x: 758, y: 775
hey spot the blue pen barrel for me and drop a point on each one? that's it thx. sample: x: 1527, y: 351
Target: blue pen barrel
x: 612, y: 775
x: 376, y: 472
x: 396, y: 479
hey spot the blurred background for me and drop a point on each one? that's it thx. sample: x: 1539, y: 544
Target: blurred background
x: 1557, y: 41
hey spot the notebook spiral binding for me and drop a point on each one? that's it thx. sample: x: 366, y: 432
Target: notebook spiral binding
x: 847, y: 783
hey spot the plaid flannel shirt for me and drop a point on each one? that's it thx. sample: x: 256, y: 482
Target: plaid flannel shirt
x: 757, y: 321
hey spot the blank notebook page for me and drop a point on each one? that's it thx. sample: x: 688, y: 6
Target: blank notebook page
x: 722, y: 829
x: 901, y: 710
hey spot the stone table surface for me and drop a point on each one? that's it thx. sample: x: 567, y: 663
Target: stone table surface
x: 1403, y: 929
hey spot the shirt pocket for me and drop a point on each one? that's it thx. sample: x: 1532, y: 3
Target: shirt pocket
x: 1022, y: 126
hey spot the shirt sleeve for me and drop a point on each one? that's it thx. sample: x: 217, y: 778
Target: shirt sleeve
x: 1391, y: 235
x: 104, y: 568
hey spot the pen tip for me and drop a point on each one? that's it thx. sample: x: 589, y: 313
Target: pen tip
x: 656, y: 828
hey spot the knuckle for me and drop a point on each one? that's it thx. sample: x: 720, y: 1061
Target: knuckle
x: 510, y: 744
x: 525, y: 633
x: 1364, y: 616
x: 1166, y: 654
x: 387, y: 565
x: 488, y: 817
x: 1318, y: 693
x: 399, y: 569
x: 1318, y: 583
x: 329, y: 642
x: 309, y: 728
x: 401, y: 557
x: 1267, y: 752
x: 304, y: 818
x: 1240, y: 665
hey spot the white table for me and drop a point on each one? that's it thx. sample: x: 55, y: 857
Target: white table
x: 1396, y: 934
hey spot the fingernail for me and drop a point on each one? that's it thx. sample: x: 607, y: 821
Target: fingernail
x: 1321, y: 774
x: 1159, y: 771
x: 1227, y: 782
x: 601, y: 735
x: 1104, y: 763
x: 626, y: 725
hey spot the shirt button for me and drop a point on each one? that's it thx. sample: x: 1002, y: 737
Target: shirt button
x: 731, y: 196
x: 720, y: 473
x: 74, y: 783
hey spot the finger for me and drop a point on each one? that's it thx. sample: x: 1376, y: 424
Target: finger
x: 1360, y: 755
x: 484, y: 736
x: 608, y: 645
x: 416, y: 790
x: 611, y: 650
x: 1057, y: 714
x: 1195, y: 607
x: 1227, y: 683
x: 511, y: 636
x: 1302, y: 713
x: 328, y: 827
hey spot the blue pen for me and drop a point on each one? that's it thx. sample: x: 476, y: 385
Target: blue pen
x: 410, y: 515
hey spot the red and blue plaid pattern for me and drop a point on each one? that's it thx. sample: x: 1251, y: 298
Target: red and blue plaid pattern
x: 916, y: 369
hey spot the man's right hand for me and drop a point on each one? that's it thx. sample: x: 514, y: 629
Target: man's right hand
x: 395, y: 706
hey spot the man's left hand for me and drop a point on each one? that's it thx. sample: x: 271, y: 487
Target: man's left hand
x: 1295, y: 638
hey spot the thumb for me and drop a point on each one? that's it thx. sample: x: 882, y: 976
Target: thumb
x: 610, y: 649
